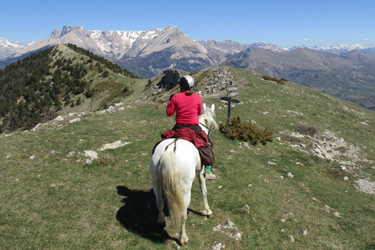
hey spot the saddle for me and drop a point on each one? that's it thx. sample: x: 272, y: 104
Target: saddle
x: 201, y: 141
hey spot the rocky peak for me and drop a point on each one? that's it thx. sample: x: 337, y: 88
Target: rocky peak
x: 66, y: 29
x: 170, y: 78
x: 56, y: 34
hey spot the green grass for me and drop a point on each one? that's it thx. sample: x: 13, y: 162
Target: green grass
x: 53, y: 201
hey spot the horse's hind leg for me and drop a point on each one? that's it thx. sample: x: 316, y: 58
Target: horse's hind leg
x: 202, y: 182
x: 183, y: 236
x: 159, y: 204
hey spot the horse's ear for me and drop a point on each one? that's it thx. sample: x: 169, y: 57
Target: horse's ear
x: 213, y: 107
x: 204, y: 106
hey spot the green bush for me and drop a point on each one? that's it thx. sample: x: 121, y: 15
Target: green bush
x: 245, y: 131
x: 307, y: 130
x: 281, y: 81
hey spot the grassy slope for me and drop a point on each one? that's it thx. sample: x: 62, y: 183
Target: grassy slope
x: 52, y: 201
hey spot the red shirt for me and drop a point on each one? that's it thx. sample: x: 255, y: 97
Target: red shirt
x: 187, y: 108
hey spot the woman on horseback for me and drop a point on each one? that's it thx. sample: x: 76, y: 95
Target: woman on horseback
x: 188, y: 107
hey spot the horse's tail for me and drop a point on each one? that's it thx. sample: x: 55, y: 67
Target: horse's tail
x: 172, y: 188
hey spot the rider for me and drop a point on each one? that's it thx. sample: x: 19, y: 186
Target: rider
x: 188, y: 107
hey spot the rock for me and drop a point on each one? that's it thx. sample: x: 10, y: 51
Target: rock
x: 229, y: 229
x: 71, y: 153
x: 91, y: 154
x: 327, y: 209
x: 113, y: 145
x: 246, y: 208
x: 218, y: 246
x: 36, y: 127
x: 59, y: 118
x: 366, y: 186
x: 75, y: 120
x: 170, y: 78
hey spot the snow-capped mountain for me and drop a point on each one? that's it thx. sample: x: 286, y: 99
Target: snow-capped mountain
x: 9, y: 48
x: 165, y: 47
x: 338, y: 48
x: 116, y: 44
x: 106, y: 43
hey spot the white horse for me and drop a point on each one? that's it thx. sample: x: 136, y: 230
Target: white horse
x: 173, y: 168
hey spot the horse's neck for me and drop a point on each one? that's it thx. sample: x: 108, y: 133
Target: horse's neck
x: 203, y: 125
x: 205, y: 130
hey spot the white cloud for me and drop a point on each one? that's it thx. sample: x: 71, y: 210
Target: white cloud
x: 366, y: 39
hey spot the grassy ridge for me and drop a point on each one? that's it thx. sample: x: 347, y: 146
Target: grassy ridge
x: 52, y: 199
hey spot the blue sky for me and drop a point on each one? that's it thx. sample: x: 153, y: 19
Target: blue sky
x: 283, y: 23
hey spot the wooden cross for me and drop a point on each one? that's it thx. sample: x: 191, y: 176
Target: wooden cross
x: 232, y: 92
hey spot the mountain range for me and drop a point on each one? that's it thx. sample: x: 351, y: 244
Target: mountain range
x: 345, y: 71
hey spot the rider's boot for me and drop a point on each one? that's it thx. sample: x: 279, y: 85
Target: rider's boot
x: 209, y: 175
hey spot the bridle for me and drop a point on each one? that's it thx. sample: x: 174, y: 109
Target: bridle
x: 209, y: 128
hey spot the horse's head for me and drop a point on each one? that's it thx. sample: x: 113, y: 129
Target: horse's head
x: 207, y: 119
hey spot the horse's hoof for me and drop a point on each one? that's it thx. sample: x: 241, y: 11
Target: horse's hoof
x: 184, y: 242
x: 207, y: 213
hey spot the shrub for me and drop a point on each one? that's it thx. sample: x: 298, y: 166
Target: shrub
x: 307, y: 130
x: 105, y: 74
x: 245, y: 131
x: 125, y: 89
x: 270, y: 78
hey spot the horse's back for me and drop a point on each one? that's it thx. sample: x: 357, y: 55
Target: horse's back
x: 186, y: 155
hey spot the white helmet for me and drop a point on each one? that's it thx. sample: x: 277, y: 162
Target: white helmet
x: 187, y: 82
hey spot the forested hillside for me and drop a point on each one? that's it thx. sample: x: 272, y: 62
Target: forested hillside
x: 35, y: 89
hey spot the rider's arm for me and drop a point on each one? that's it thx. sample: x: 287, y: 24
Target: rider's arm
x: 171, y: 108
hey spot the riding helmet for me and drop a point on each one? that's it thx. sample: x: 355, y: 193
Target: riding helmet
x: 187, y: 82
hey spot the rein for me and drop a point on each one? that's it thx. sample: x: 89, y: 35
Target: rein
x: 209, y: 129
